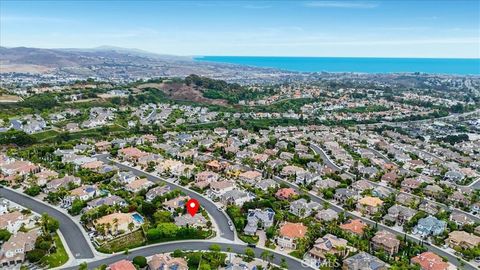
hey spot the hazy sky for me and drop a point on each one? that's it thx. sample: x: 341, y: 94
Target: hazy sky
x: 271, y: 28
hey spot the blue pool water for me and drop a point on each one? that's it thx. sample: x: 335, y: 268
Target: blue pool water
x: 355, y: 64
x: 137, y: 218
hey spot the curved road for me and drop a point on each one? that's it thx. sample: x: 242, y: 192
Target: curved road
x: 73, y: 235
x: 292, y: 263
x: 220, y: 217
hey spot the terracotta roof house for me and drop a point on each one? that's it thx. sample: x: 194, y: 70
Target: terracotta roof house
x: 386, y: 241
x: 131, y: 154
x: 462, y: 239
x: 167, y: 262
x: 289, y: 233
x: 285, y: 193
x: 430, y: 261
x: 122, y: 265
x: 355, y: 226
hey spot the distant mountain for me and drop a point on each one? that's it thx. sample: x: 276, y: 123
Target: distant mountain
x: 121, y: 63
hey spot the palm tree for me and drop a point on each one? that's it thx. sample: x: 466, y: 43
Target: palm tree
x: 115, y: 224
x: 131, y: 226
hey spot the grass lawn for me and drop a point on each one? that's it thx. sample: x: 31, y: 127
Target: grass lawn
x: 296, y: 254
x: 45, y: 135
x: 131, y: 240
x: 58, y: 258
x: 251, y: 239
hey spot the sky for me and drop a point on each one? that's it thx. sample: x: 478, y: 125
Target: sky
x: 427, y: 29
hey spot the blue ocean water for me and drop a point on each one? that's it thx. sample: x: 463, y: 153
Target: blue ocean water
x: 355, y: 64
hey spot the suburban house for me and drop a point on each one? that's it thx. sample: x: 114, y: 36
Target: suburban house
x: 390, y: 177
x: 13, y: 221
x: 118, y: 222
x: 157, y: 191
x: 328, y: 244
x: 363, y: 261
x: 219, y: 188
x: 13, y: 251
x: 109, y: 200
x: 131, y: 154
x: 289, y: 233
x: 285, y: 193
x: 250, y: 177
x: 175, y: 203
x: 266, y: 184
x: 355, y: 226
x: 139, y: 185
x: 399, y: 214
x: 326, y: 215
x: 203, y: 179
x: 256, y: 217
x: 369, y: 205
x: 430, y: 261
x: 126, y: 177
x: 236, y: 197
x: 461, y: 219
x: 197, y: 221
x: 302, y: 208
x: 343, y: 194
x: 63, y: 182
x: 462, y: 239
x: 386, y: 241
x: 122, y: 265
x: 84, y: 193
x: 429, y: 226
x: 167, y: 262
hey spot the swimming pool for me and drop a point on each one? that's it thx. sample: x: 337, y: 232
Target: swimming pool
x: 137, y: 217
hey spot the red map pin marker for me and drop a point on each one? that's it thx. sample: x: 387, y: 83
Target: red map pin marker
x: 192, y: 206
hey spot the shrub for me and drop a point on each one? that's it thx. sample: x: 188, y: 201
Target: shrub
x: 140, y: 261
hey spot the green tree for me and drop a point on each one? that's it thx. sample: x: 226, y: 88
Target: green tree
x: 250, y: 253
x: 77, y: 206
x: 140, y: 261
x: 215, y: 247
x: 4, y: 235
x: 83, y: 266
x: 49, y: 224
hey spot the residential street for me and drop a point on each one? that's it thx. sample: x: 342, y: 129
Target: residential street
x: 194, y: 245
x: 220, y: 217
x: 70, y: 230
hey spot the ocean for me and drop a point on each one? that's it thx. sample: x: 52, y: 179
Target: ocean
x: 356, y: 64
